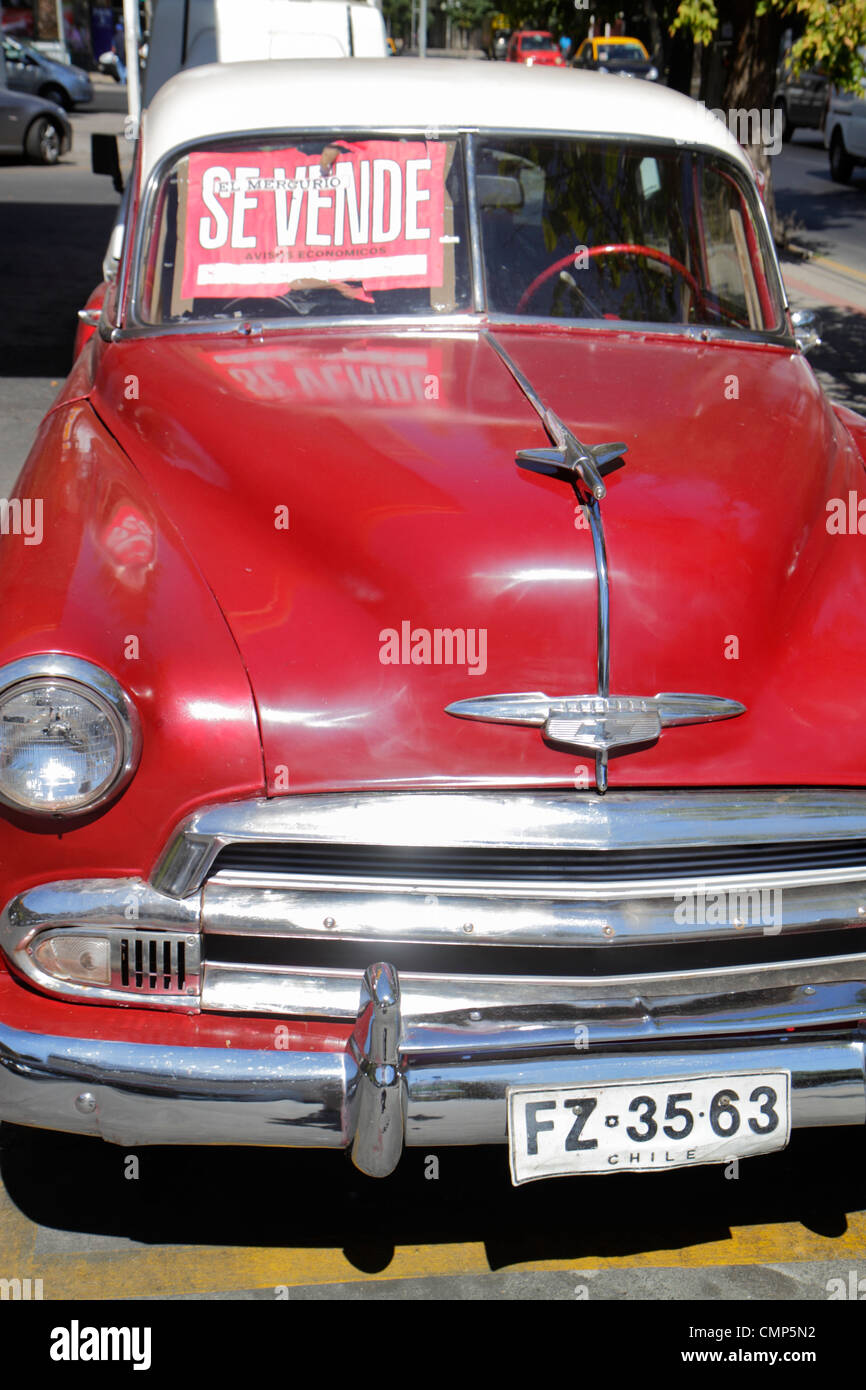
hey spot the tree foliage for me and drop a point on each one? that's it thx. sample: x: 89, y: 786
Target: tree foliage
x: 833, y: 32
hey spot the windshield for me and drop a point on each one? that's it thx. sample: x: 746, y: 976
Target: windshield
x: 16, y: 49
x: 370, y: 225
x: 603, y: 229
x: 621, y: 53
x: 537, y: 42
x: 331, y: 227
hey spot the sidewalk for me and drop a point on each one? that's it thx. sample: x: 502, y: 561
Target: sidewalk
x: 837, y: 293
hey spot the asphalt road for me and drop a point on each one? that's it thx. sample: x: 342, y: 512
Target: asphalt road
x: 829, y: 218
x: 250, y: 1224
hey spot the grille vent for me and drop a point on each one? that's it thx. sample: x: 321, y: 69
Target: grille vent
x: 154, y: 964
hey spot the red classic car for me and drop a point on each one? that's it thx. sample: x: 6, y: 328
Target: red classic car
x: 429, y: 599
x: 535, y: 48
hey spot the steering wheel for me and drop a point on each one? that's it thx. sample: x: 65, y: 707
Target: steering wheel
x: 613, y: 249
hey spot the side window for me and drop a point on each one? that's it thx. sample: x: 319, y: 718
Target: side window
x: 729, y: 247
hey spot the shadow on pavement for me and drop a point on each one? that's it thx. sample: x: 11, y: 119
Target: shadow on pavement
x: 50, y: 261
x: 838, y: 209
x: 840, y: 361
x: 303, y: 1198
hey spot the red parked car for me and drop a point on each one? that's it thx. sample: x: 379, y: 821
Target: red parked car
x: 535, y: 48
x: 423, y: 611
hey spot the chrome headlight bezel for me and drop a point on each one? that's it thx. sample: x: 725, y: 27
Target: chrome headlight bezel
x: 107, y: 694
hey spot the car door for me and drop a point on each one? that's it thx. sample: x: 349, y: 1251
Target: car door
x: 12, y: 124
x: 22, y: 70
x: 807, y: 98
x: 857, y: 124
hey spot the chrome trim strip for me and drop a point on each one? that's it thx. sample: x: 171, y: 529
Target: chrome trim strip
x: 136, y: 1094
x: 108, y: 906
x: 590, y: 915
x: 624, y: 1008
x: 690, y: 332
x: 570, y: 890
x: 479, y: 279
x: 592, y: 512
x: 441, y: 325
x: 509, y: 819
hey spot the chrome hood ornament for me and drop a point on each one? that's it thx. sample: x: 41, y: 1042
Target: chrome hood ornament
x: 597, y: 724
x: 602, y: 723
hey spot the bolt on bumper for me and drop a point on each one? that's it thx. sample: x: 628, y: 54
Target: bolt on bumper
x: 388, y: 1090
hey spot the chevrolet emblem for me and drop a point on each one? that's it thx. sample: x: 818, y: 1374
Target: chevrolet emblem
x: 597, y: 723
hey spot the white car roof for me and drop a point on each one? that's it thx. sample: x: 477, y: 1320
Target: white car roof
x: 399, y: 93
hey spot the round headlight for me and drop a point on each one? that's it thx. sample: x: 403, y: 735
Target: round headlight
x: 68, y: 735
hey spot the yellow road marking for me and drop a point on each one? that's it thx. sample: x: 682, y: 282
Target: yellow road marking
x: 166, y: 1270
x: 839, y: 265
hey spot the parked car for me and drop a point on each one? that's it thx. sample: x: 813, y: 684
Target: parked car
x: 403, y: 392
x: 622, y: 55
x: 36, y: 129
x: 534, y: 48
x: 845, y: 132
x: 28, y: 70
x: 802, y: 101
x: 495, y: 33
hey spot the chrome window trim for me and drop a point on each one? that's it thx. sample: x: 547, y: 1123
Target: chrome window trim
x: 691, y: 332
x: 509, y: 819
x: 448, y: 325
x: 128, y: 322
x: 92, y: 679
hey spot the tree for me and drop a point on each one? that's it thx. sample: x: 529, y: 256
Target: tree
x: 832, y: 34
x: 46, y: 19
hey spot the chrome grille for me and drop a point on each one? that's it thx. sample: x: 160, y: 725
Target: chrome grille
x: 530, y: 865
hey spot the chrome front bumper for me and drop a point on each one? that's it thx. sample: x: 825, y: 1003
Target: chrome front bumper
x: 393, y: 1086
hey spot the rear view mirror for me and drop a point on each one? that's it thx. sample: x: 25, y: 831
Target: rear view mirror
x: 495, y: 191
x: 105, y: 158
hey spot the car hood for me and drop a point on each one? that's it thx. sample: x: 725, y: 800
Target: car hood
x: 349, y: 496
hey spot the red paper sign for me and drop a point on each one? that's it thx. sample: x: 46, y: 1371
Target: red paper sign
x: 259, y: 222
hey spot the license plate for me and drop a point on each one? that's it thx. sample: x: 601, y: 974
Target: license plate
x: 646, y: 1127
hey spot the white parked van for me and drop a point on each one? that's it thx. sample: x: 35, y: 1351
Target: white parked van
x: 845, y: 131
x: 189, y: 33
